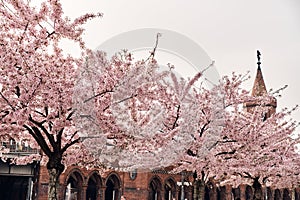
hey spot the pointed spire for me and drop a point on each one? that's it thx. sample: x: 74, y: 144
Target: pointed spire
x: 259, y: 89
x: 259, y: 86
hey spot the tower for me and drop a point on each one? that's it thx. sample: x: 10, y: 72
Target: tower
x: 259, y: 90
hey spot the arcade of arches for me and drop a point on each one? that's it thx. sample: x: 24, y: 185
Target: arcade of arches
x: 82, y: 184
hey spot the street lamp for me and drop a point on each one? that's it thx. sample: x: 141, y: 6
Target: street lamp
x: 182, y: 184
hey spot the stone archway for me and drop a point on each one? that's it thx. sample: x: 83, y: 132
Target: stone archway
x: 221, y: 193
x: 297, y: 194
x: 277, y: 195
x: 93, y: 187
x: 170, y: 189
x: 155, y: 188
x: 236, y: 193
x: 249, y: 193
x: 74, y: 185
x: 286, y: 194
x: 112, y: 191
x: 269, y: 193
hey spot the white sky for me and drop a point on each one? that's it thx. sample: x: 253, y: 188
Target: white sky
x: 229, y: 31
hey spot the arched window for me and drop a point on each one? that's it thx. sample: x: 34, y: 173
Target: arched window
x: 297, y: 194
x: 112, y: 191
x: 269, y: 193
x: 74, y: 186
x: 249, y: 193
x: 286, y: 194
x: 155, y: 188
x: 170, y: 189
x: 221, y: 193
x: 236, y: 193
x: 277, y: 195
x: 93, y: 187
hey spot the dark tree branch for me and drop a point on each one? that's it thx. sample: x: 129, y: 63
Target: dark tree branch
x: 49, y: 136
x: 152, y: 53
x: 125, y: 99
x: 59, y: 136
x: 97, y: 95
x: 177, y: 117
x: 36, y: 134
x: 203, y: 129
x: 70, y: 144
x: 226, y: 153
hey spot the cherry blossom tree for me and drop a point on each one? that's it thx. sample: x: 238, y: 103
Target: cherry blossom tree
x: 146, y: 113
x: 44, y: 102
x: 37, y: 81
x: 253, y: 149
x: 121, y: 108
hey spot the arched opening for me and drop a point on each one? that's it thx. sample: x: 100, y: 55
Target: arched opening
x: 112, y: 191
x: 249, y: 193
x: 297, y: 194
x: 257, y: 194
x: 269, y: 193
x: 185, y: 189
x: 286, y: 194
x: 277, y: 195
x: 170, y: 189
x: 221, y: 193
x: 74, y: 186
x: 206, y: 193
x: 155, y: 188
x: 236, y: 193
x: 93, y: 187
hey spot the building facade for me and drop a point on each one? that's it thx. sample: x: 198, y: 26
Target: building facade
x: 82, y: 184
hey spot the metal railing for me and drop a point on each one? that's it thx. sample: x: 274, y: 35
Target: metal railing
x: 18, y: 148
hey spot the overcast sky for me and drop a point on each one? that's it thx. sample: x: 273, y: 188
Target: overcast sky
x: 229, y: 31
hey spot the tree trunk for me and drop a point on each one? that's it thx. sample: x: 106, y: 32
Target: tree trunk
x: 53, y: 186
x: 55, y: 169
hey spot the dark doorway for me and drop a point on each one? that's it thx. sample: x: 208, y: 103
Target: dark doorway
x: 249, y: 193
x: 221, y: 193
x: 155, y: 189
x: 170, y: 189
x: 91, y: 192
x: 13, y: 187
x: 74, y: 187
x: 112, y: 188
x: 93, y: 189
x: 277, y: 195
x: 236, y: 193
x: 286, y: 194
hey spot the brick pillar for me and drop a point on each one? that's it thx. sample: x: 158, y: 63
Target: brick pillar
x: 84, y: 188
x: 99, y: 191
x: 213, y: 195
x: 242, y: 192
x: 195, y: 189
x: 190, y: 192
x: 228, y: 192
x: 102, y: 193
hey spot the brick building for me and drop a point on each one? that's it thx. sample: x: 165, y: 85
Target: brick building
x: 77, y: 183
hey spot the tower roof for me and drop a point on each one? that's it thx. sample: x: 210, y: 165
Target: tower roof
x: 259, y: 89
x: 259, y: 86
